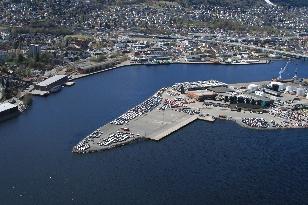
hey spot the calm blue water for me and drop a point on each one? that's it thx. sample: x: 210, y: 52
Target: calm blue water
x: 204, y: 163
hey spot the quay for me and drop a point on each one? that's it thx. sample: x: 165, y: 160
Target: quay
x: 168, y: 129
x: 258, y: 105
x: 154, y: 125
x: 128, y: 63
x: 179, y: 124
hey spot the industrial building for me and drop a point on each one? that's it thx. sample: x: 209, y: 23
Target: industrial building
x: 272, y: 92
x: 252, y: 100
x: 51, y: 83
x: 8, y: 110
x: 277, y: 86
x: 201, y: 95
x: 220, y: 89
x: 252, y: 87
x: 90, y: 67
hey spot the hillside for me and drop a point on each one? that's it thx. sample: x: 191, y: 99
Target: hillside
x: 237, y: 3
x: 298, y: 3
x: 230, y: 3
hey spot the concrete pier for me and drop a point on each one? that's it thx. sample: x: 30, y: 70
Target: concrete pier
x: 170, y: 129
x: 154, y: 125
x: 169, y: 110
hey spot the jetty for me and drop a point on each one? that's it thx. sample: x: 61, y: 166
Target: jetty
x: 251, y: 105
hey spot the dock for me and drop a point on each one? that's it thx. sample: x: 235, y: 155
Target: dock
x: 39, y: 93
x: 175, y: 107
x: 154, y: 125
x: 169, y: 129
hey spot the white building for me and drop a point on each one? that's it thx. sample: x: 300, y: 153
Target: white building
x: 48, y: 84
x: 252, y: 87
x: 34, y: 50
x: 300, y: 92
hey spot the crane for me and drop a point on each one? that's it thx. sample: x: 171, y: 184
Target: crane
x: 295, y: 74
x: 282, y: 70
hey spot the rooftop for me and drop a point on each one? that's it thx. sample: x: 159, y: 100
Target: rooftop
x: 202, y: 92
x: 6, y: 106
x: 220, y: 89
x: 51, y: 80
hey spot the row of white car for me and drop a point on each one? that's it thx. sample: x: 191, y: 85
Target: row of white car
x: 168, y: 103
x: 96, y: 134
x: 116, y: 138
x: 197, y: 84
x: 140, y: 109
x: 256, y: 122
x: 83, y: 145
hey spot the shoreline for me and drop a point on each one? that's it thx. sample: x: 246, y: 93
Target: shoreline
x: 128, y: 64
x: 145, y: 139
x: 169, y: 110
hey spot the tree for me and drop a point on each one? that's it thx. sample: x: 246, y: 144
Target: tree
x: 20, y: 58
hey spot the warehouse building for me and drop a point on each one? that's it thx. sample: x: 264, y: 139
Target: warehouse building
x: 8, y: 110
x: 263, y: 102
x: 90, y: 67
x: 272, y: 92
x: 55, y: 81
x: 201, y: 95
x: 220, y: 89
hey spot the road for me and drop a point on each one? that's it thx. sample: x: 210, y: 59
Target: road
x: 261, y: 48
x: 269, y: 2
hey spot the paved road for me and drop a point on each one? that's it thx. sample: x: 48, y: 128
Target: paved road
x: 261, y: 48
x: 269, y: 2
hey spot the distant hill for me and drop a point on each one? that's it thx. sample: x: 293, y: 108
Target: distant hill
x: 237, y: 3
x: 298, y: 3
x: 244, y: 3
x: 231, y: 3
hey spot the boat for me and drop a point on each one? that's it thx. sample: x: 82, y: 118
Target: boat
x: 70, y: 83
x: 55, y: 89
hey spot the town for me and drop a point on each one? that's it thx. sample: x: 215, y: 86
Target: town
x: 44, y: 45
x: 153, y: 102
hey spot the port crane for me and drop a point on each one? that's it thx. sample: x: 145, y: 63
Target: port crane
x: 295, y: 74
x: 282, y: 70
